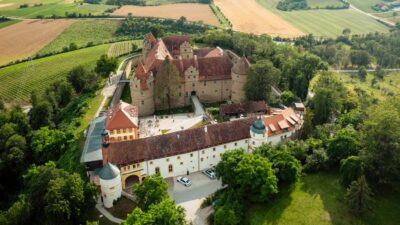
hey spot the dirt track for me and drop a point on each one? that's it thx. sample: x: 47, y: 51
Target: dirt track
x: 192, y: 11
x: 250, y: 17
x: 25, y: 38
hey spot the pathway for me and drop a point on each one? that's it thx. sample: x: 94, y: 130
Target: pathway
x: 102, y: 210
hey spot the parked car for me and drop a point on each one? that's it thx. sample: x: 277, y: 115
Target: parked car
x: 210, y: 173
x: 185, y: 181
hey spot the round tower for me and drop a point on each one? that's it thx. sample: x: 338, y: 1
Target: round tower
x: 258, y: 134
x: 239, y: 73
x: 110, y: 184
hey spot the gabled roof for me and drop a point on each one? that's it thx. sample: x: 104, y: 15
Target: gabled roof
x: 121, y: 116
x: 173, y: 43
x: 150, y: 38
x: 281, y: 120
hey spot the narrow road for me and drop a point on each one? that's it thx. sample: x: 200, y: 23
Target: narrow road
x: 390, y: 23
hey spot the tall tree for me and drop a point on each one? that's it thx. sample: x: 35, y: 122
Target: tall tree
x: 262, y: 76
x: 105, y: 65
x: 342, y: 145
x: 47, y: 144
x: 151, y: 191
x: 359, y: 196
x: 381, y: 138
x: 167, y: 85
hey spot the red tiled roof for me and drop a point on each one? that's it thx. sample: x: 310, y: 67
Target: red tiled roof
x: 216, y: 68
x: 122, y: 115
x: 173, y: 43
x: 123, y: 153
x: 238, y: 108
x: 279, y: 121
x: 150, y: 38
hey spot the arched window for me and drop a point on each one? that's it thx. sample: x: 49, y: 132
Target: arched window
x: 170, y: 168
x: 157, y: 170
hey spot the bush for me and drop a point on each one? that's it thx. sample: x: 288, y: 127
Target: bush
x: 350, y: 170
x: 288, y: 167
x: 317, y: 161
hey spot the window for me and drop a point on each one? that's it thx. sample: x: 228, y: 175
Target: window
x: 124, y: 130
x: 213, y: 149
x: 245, y: 141
x: 181, y: 163
x: 142, y: 102
x: 167, y: 159
x: 202, y: 152
x: 214, y: 156
x: 125, y: 138
x: 119, y: 138
x: 157, y: 170
x: 193, y: 85
x: 191, y: 154
x: 235, y: 143
x: 179, y: 157
x: 131, y: 137
x: 254, y: 143
x: 202, y: 159
x: 118, y: 131
x: 130, y: 130
x: 170, y: 168
x: 205, y: 83
x: 224, y: 146
x: 151, y: 162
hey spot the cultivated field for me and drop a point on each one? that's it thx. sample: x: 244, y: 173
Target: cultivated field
x: 365, y: 5
x: 18, y: 81
x: 23, y: 39
x: 327, y: 23
x: 8, y: 23
x: 122, y: 48
x: 248, y: 16
x: 84, y: 31
x: 192, y: 11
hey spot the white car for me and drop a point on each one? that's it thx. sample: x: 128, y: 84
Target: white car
x: 210, y: 173
x: 185, y: 181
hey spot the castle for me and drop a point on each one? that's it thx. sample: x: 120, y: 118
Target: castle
x: 212, y: 74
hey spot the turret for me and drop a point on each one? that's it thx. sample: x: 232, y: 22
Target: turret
x: 148, y: 43
x: 110, y: 184
x: 239, y: 73
x: 258, y: 134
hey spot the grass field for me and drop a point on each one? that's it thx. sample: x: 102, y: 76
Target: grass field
x: 84, y: 31
x: 192, y: 11
x: 55, y: 8
x: 123, y: 48
x: 329, y: 23
x: 319, y: 199
x: 390, y: 85
x: 324, y: 3
x: 18, y: 81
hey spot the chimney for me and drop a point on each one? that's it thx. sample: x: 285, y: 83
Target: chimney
x: 205, y: 129
x: 177, y: 136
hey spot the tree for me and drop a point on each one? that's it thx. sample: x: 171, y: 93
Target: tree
x: 350, y: 170
x: 165, y: 213
x: 58, y: 197
x: 346, y: 31
x: 316, y: 161
x: 288, y: 168
x: 288, y: 98
x: 41, y: 115
x: 20, y: 119
x: 362, y: 73
x: 80, y: 78
x: 307, y: 127
x: 343, y: 145
x: 379, y: 73
x: 47, y: 144
x: 359, y: 196
x: 360, y: 57
x: 167, y: 85
x: 249, y: 175
x: 151, y: 191
x: 380, y: 136
x: 105, y: 65
x: 73, y: 47
x: 328, y: 99
x: 262, y: 76
x: 225, y: 215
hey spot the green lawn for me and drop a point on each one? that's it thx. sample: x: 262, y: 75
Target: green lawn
x: 18, y: 81
x: 319, y: 199
x: 8, y: 23
x: 328, y: 23
x: 390, y: 85
x: 324, y: 3
x: 84, y: 31
x: 56, y: 8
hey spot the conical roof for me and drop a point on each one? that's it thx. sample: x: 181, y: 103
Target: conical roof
x: 109, y: 172
x: 242, y: 66
x: 258, y: 126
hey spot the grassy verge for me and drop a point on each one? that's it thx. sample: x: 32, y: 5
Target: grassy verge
x: 327, y: 23
x: 18, y: 81
x: 319, y: 199
x: 8, y: 23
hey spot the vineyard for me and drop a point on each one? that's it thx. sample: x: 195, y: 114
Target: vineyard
x: 18, y: 81
x: 123, y: 48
